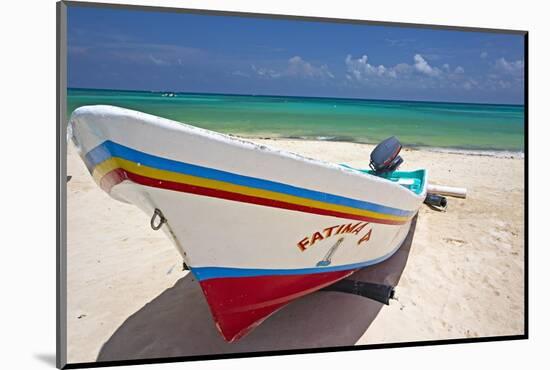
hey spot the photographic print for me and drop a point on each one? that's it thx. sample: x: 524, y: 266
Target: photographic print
x: 239, y: 184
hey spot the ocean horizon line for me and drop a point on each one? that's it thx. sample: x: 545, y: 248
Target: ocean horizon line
x: 296, y: 96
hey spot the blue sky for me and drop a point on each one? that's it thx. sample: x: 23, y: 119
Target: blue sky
x: 138, y: 50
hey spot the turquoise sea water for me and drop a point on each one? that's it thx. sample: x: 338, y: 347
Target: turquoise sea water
x: 443, y: 125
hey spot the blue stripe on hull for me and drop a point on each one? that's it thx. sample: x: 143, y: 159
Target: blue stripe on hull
x: 205, y: 273
x: 110, y: 149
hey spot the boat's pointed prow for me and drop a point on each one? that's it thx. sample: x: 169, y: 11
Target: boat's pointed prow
x: 239, y: 304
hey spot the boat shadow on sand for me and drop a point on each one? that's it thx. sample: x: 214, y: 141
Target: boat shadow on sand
x: 178, y: 322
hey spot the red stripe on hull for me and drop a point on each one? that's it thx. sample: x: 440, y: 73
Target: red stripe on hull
x: 112, y: 178
x: 118, y: 175
x: 240, y: 304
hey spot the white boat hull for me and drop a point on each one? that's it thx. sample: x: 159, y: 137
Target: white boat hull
x: 245, y: 218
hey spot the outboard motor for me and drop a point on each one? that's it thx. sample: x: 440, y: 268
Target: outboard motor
x: 385, y: 157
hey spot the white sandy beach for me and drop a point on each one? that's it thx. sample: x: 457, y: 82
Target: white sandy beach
x: 464, y: 274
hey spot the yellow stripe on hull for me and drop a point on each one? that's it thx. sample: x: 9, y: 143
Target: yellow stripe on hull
x: 116, y: 162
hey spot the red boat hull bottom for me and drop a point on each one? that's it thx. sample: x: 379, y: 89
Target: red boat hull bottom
x: 239, y: 304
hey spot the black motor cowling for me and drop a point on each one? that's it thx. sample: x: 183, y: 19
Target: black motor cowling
x: 385, y: 157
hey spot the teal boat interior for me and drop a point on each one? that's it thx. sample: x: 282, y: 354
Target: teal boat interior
x: 412, y: 180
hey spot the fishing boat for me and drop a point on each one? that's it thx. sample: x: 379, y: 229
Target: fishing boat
x: 258, y: 227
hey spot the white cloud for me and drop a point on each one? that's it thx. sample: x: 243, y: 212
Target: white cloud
x: 402, y: 68
x: 505, y: 66
x: 360, y: 69
x: 240, y: 74
x: 158, y: 61
x: 470, y: 84
x: 266, y: 72
x: 504, y: 75
x: 299, y: 67
x: 421, y: 74
x: 296, y: 67
x: 422, y: 66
